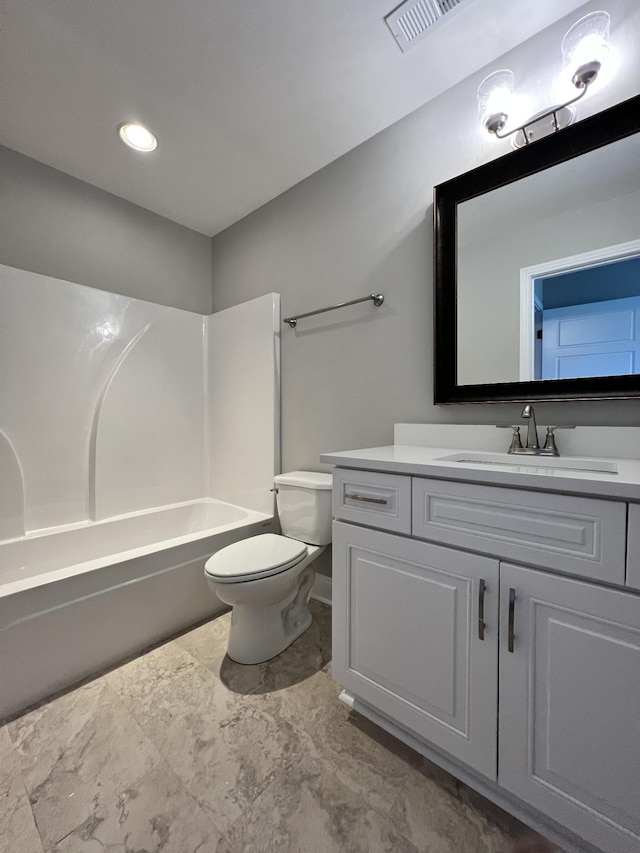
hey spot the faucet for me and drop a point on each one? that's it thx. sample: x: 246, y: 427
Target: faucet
x: 532, y: 430
x: 532, y: 445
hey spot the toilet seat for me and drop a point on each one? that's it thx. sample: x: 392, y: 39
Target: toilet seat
x: 257, y: 557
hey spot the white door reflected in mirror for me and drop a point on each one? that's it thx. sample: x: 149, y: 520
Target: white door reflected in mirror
x: 579, y: 316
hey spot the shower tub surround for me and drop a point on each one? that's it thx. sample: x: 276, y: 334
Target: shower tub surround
x: 123, y: 467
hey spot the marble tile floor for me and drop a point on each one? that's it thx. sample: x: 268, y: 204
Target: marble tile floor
x: 181, y: 750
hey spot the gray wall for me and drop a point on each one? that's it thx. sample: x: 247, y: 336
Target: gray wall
x: 54, y: 224
x: 363, y: 225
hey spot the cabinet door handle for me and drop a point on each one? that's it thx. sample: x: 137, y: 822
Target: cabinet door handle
x: 512, y: 613
x: 481, y: 623
x: 365, y: 499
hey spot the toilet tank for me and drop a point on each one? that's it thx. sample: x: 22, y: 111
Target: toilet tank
x: 304, y: 506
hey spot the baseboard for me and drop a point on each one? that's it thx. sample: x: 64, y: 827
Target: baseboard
x: 321, y: 589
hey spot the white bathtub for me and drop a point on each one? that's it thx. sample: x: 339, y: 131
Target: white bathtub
x: 75, y: 601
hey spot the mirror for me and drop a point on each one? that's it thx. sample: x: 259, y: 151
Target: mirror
x: 538, y: 269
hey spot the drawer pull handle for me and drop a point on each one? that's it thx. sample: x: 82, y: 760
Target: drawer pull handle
x: 481, y: 622
x: 512, y: 614
x: 365, y: 499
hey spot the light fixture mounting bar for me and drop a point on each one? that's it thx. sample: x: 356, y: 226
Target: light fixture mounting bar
x: 539, y: 117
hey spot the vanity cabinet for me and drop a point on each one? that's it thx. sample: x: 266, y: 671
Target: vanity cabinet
x: 462, y: 634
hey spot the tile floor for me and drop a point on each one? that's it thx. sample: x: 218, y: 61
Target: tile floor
x: 181, y: 750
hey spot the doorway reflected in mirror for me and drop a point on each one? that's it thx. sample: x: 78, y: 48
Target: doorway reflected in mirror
x: 587, y: 322
x: 580, y: 316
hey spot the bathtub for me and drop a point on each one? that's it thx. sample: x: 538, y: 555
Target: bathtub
x: 76, y: 600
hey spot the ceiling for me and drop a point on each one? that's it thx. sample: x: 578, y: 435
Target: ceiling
x: 246, y: 98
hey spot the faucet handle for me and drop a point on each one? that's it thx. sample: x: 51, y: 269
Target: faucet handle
x: 516, y: 441
x: 550, y: 442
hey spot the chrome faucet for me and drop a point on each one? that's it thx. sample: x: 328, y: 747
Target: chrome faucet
x: 532, y: 429
x: 532, y: 445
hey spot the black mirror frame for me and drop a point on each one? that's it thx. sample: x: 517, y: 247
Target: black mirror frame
x: 604, y: 128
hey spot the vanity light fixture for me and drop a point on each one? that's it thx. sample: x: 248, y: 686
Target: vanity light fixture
x: 584, y: 48
x: 137, y: 136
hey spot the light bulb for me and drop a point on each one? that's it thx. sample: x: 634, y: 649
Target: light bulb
x: 138, y: 137
x: 494, y: 99
x: 585, y: 47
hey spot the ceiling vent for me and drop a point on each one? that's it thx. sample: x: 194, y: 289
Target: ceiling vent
x: 411, y: 21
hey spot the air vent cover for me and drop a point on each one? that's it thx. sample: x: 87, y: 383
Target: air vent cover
x: 410, y: 22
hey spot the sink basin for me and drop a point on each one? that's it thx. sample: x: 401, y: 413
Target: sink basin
x: 536, y: 464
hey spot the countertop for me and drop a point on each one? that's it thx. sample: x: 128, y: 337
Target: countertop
x: 427, y: 462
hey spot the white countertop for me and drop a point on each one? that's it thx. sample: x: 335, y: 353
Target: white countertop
x: 427, y: 462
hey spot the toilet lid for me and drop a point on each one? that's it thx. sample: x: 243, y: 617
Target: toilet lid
x: 256, y: 557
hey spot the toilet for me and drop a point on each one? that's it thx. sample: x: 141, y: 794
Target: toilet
x: 267, y: 579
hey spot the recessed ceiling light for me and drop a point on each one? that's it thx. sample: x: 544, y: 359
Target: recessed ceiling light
x: 138, y: 137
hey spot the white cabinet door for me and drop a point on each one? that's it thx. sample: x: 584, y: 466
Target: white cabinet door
x: 633, y: 547
x: 407, y: 638
x: 570, y: 704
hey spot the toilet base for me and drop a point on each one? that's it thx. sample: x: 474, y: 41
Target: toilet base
x: 259, y: 634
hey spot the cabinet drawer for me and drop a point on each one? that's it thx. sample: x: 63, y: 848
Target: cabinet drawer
x: 580, y: 536
x: 374, y: 499
x: 633, y: 547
